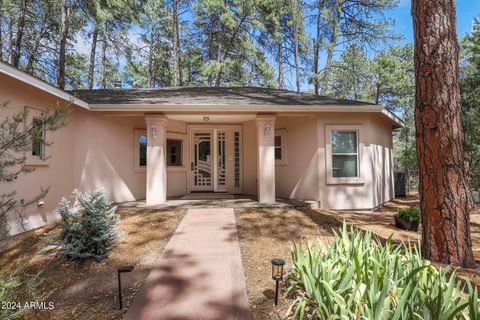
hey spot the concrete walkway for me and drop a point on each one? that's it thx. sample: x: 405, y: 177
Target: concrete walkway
x: 199, y: 275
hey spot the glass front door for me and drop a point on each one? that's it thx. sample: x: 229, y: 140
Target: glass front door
x: 201, y: 166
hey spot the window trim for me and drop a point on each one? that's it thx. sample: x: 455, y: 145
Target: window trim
x: 136, y: 163
x: 30, y: 159
x: 329, y: 154
x: 283, y: 147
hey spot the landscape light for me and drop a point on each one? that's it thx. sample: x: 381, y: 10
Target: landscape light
x: 119, y: 271
x: 277, y: 274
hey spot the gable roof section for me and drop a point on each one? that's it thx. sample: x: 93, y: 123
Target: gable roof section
x: 209, y: 96
x: 215, y: 99
x: 40, y: 84
x: 200, y: 99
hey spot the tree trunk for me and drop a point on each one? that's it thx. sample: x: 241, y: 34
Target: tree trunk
x: 93, y: 50
x: 296, y: 44
x: 38, y: 38
x: 63, y: 44
x: 104, y: 58
x: 20, y: 27
x: 150, y: 62
x: 445, y: 197
x: 316, y: 51
x: 176, y: 45
x: 10, y: 42
x: 1, y: 37
x: 331, y: 46
x: 281, y: 84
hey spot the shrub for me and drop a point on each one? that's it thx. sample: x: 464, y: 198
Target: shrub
x: 411, y: 213
x: 89, y: 228
x: 357, y: 277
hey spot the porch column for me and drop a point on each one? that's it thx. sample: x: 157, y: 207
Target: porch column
x: 156, y: 159
x: 266, y: 158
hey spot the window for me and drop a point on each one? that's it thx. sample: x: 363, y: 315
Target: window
x: 280, y: 147
x: 236, y: 164
x: 38, y: 138
x: 344, y: 154
x: 142, y: 140
x: 37, y: 154
x: 140, y: 150
x: 174, y: 152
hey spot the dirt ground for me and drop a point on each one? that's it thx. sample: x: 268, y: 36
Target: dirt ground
x: 89, y: 290
x: 268, y: 233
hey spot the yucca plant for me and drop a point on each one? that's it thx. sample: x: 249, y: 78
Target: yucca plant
x: 358, y: 277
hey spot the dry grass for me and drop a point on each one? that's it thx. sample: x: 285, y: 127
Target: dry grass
x: 267, y: 233
x: 88, y: 290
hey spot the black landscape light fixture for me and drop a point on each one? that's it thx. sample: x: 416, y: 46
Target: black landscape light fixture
x: 277, y: 274
x: 121, y: 270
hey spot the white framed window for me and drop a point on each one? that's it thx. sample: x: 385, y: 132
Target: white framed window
x: 174, y: 152
x: 343, y: 154
x: 280, y: 147
x: 37, y: 154
x: 140, y: 150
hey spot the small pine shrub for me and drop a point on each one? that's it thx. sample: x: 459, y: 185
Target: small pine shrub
x: 90, y: 227
x: 411, y: 213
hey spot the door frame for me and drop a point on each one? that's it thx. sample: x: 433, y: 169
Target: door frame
x: 214, y: 128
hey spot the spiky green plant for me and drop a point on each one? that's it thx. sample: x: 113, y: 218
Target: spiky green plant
x: 356, y: 276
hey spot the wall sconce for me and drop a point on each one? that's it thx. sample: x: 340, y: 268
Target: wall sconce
x: 277, y: 274
x: 153, y: 131
x: 267, y: 129
x: 40, y: 203
x: 206, y: 118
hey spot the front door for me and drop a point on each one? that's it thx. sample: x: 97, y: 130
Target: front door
x: 215, y: 159
x: 202, y: 165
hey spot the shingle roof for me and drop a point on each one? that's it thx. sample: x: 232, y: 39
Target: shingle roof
x: 209, y: 96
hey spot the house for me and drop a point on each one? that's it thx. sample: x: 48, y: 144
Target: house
x: 155, y: 144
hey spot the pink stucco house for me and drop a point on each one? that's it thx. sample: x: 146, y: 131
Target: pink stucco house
x: 155, y: 144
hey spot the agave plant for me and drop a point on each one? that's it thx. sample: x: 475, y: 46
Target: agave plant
x: 358, y: 277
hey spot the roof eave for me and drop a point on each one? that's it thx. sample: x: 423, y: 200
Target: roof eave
x: 41, y: 85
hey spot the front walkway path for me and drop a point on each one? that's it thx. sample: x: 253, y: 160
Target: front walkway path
x: 199, y: 275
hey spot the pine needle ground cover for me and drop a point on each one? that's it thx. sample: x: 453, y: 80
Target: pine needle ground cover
x: 87, y: 290
x: 357, y: 276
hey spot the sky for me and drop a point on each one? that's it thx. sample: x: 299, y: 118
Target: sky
x: 467, y: 10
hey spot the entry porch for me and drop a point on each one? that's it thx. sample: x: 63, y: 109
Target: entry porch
x: 226, y: 155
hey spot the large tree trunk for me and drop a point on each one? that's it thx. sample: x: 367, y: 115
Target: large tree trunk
x: 93, y: 50
x: 63, y: 44
x: 176, y: 45
x: 445, y: 197
x: 20, y: 27
x: 281, y: 84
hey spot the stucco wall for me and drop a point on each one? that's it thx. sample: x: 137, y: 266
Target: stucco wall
x: 58, y: 175
x: 304, y: 175
x: 97, y: 150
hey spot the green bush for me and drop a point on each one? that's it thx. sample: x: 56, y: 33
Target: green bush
x: 358, y: 277
x: 89, y: 228
x: 16, y: 289
x: 411, y: 213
